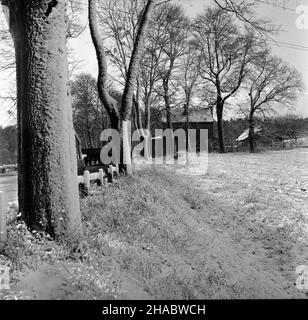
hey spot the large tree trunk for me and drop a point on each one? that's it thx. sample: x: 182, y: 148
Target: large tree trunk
x: 47, y: 175
x: 219, y: 113
x: 131, y: 79
x: 127, y: 101
x: 251, y: 133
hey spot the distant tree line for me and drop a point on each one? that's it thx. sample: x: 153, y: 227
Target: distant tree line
x: 279, y: 127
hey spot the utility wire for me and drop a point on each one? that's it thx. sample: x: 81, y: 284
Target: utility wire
x: 273, y: 41
x: 293, y: 44
x: 277, y: 5
x: 290, y: 46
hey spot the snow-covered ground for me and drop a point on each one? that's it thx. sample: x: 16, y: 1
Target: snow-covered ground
x: 263, y: 206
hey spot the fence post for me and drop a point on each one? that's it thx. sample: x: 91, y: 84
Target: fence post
x: 86, y: 178
x: 111, y: 173
x: 3, y: 209
x: 101, y: 175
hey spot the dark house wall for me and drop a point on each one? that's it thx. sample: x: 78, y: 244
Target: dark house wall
x: 197, y: 126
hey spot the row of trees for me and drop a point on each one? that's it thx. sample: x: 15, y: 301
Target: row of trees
x: 185, y: 62
x: 206, y: 57
x: 47, y: 182
x: 207, y: 60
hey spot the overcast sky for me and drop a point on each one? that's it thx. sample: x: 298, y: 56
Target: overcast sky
x: 286, y: 18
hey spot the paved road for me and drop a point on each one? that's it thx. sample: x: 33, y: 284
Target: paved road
x: 9, y: 185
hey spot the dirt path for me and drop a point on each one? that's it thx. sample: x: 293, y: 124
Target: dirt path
x: 261, y: 204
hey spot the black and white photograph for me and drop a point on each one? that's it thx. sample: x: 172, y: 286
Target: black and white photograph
x: 153, y: 150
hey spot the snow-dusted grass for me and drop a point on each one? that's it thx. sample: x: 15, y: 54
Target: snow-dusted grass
x: 263, y: 202
x: 177, y: 232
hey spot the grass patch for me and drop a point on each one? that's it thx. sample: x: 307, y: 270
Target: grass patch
x: 145, y: 237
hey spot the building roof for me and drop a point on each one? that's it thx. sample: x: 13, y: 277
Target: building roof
x: 198, y: 114
x: 245, y: 134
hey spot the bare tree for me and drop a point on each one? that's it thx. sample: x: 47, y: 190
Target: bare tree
x: 47, y: 179
x: 7, y: 54
x: 120, y: 114
x: 272, y: 83
x: 119, y: 21
x: 189, y: 75
x: 149, y: 74
x: 74, y: 28
x: 176, y: 26
x: 244, y: 11
x: 89, y: 115
x: 225, y: 55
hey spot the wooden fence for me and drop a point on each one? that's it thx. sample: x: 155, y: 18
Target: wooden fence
x: 100, y: 176
x: 85, y: 179
x: 8, y: 167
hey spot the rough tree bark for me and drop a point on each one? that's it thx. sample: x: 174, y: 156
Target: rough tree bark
x: 47, y: 179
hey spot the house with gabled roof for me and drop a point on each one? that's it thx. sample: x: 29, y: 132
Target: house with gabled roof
x: 197, y: 118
